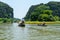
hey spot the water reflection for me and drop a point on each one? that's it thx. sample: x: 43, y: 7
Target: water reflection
x: 29, y: 32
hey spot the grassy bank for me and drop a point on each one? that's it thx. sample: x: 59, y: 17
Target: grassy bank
x: 37, y: 22
x: 6, y: 20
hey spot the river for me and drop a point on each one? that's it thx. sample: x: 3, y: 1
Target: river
x: 29, y: 32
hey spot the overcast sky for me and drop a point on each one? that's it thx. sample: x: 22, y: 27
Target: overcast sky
x: 21, y: 6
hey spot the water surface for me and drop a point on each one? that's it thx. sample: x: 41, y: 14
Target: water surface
x: 29, y: 32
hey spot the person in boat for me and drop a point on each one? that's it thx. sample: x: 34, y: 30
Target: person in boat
x: 44, y: 24
x: 22, y: 23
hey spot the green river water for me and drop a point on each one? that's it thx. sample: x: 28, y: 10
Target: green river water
x: 29, y: 32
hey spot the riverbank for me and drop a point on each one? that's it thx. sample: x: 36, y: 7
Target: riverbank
x: 37, y: 22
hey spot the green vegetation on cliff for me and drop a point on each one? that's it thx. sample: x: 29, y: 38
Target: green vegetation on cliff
x: 6, y: 12
x: 44, y: 12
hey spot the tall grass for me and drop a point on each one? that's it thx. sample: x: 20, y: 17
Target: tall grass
x: 37, y: 22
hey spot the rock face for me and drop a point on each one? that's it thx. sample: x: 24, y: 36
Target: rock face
x: 5, y: 11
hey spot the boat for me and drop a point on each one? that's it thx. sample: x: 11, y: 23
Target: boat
x: 41, y: 25
x: 44, y: 24
x: 22, y: 24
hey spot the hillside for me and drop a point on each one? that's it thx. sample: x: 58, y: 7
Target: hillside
x: 6, y: 12
x: 44, y: 12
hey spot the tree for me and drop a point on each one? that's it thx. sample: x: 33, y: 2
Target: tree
x: 43, y: 17
x: 51, y: 8
x: 51, y: 18
x: 49, y: 12
x: 56, y: 18
x: 34, y: 16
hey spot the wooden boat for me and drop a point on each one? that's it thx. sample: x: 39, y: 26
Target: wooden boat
x: 22, y: 24
x: 41, y: 25
x: 44, y: 24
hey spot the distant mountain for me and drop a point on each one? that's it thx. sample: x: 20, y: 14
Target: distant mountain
x: 5, y: 11
x: 44, y: 12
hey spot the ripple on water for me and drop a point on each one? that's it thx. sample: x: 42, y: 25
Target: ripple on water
x: 29, y: 32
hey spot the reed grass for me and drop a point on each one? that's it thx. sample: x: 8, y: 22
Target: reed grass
x: 37, y: 22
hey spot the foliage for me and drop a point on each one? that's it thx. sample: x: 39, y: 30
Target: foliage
x: 56, y: 18
x: 34, y: 16
x: 16, y: 19
x: 44, y: 12
x: 6, y: 20
x: 43, y: 17
x: 6, y: 13
x: 49, y: 12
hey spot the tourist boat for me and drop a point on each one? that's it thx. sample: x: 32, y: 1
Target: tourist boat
x: 22, y: 24
x: 44, y: 24
x: 41, y: 25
